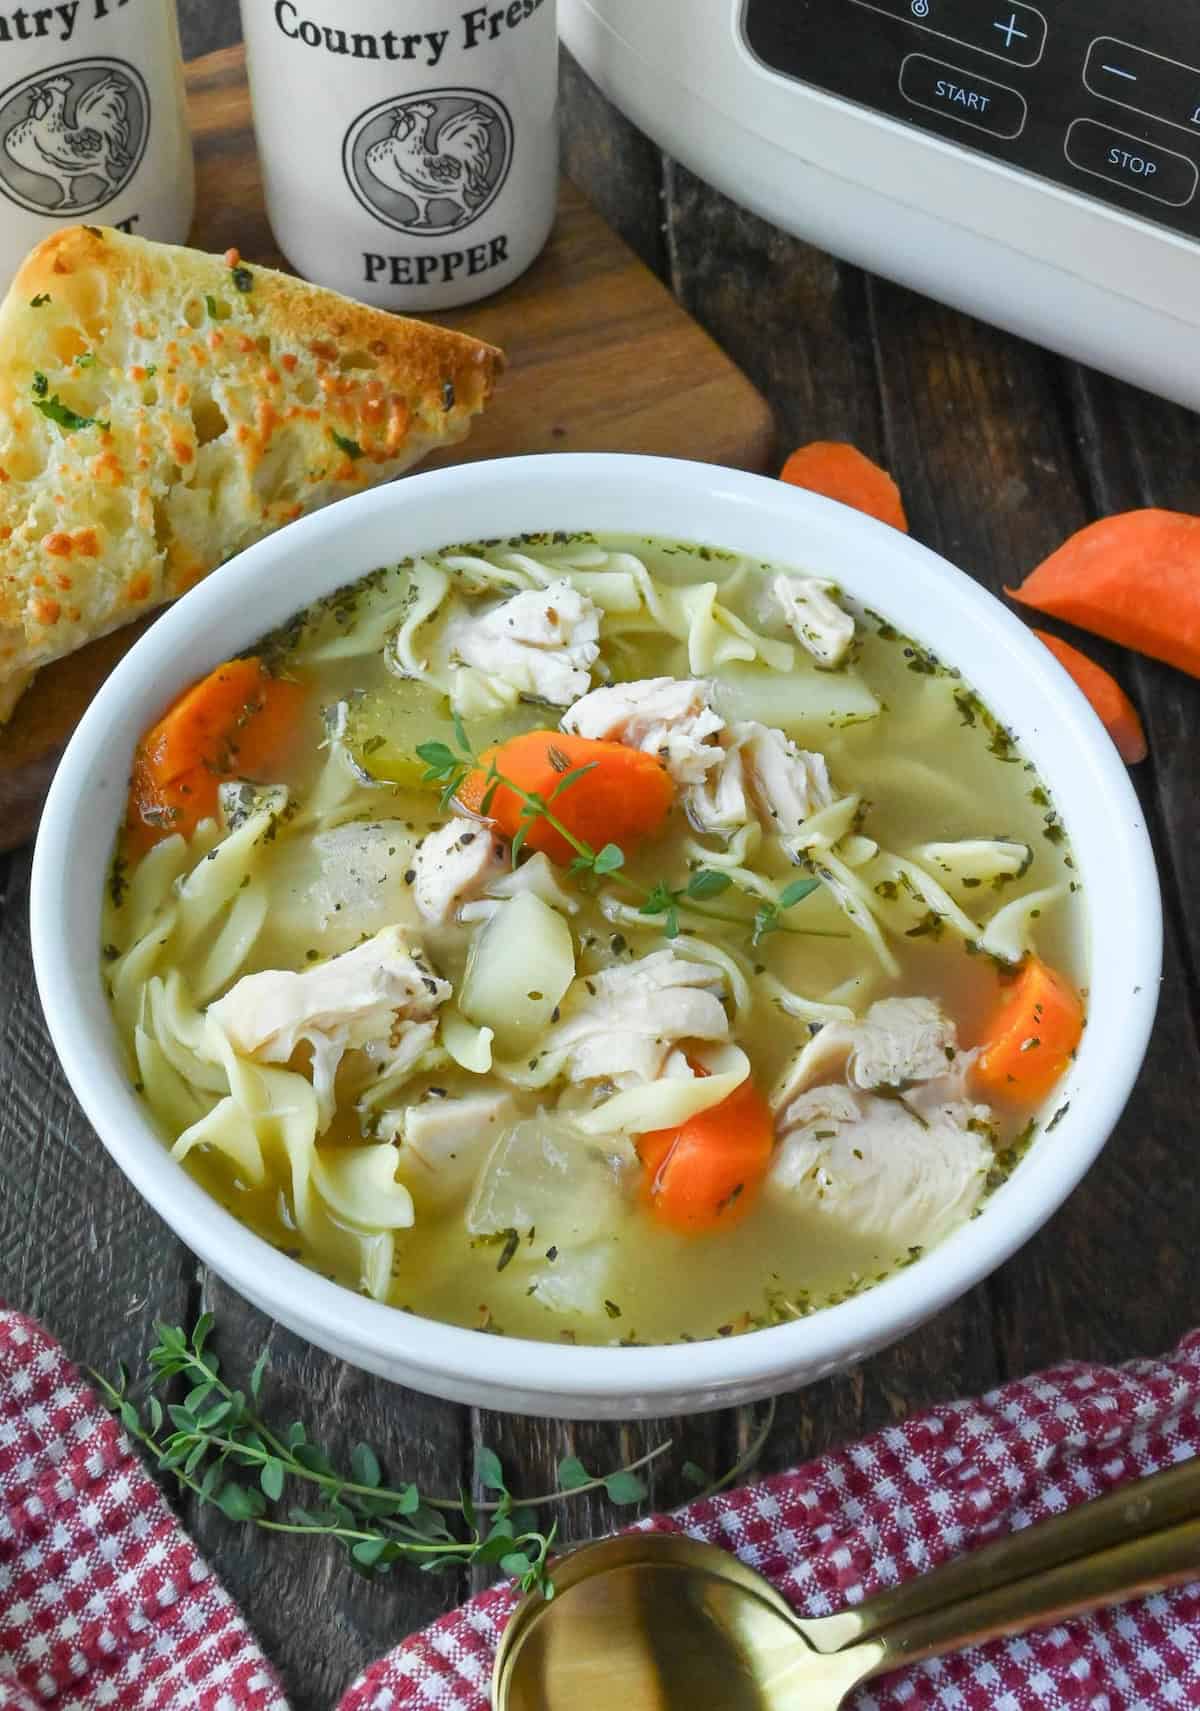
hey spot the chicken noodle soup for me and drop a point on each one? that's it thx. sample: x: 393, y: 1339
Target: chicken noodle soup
x: 594, y: 939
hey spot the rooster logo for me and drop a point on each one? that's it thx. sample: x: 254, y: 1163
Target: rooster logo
x: 74, y: 138
x: 431, y: 164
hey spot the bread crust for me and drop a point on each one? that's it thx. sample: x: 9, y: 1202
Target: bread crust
x: 162, y: 409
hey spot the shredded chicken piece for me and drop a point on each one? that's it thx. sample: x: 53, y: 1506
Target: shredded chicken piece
x: 762, y: 774
x: 537, y: 875
x: 623, y: 1025
x: 816, y: 620
x: 671, y: 718
x: 453, y: 865
x: 542, y: 643
x: 380, y: 997
x: 444, y: 1141
x: 881, y: 1169
x: 900, y: 1042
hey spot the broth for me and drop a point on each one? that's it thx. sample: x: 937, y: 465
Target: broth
x: 914, y: 760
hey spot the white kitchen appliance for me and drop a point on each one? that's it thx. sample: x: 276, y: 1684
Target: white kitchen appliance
x: 1037, y: 165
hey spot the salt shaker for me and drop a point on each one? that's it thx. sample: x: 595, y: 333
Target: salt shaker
x: 93, y: 123
x: 409, y: 153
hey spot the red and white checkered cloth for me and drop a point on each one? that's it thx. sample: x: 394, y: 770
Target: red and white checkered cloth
x: 105, y: 1602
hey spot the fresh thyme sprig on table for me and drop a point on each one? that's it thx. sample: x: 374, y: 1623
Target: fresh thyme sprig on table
x: 218, y: 1447
x: 452, y: 767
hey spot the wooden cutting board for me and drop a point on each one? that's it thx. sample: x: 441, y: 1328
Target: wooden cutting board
x: 601, y: 358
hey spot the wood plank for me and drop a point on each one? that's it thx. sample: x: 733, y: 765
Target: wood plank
x: 79, y: 1248
x: 319, y: 1620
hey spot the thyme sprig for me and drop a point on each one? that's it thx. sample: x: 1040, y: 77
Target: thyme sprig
x: 451, y: 767
x: 217, y: 1445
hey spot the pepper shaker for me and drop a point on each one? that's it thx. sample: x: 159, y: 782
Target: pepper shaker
x: 93, y: 122
x: 409, y: 154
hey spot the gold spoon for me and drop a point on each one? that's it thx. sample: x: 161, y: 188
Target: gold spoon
x: 661, y: 1620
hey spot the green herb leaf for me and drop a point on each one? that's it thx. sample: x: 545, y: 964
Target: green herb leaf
x: 243, y: 279
x: 70, y: 421
x: 517, y: 1564
x: 86, y: 359
x: 708, y: 883
x: 488, y: 1470
x: 40, y: 385
x: 351, y: 447
x: 797, y: 892
x: 572, y: 1474
x: 369, y: 1551
x: 660, y: 901
x: 271, y: 1479
x: 256, y: 1376
x: 241, y: 1502
x: 364, y: 1464
x: 624, y: 1489
x: 40, y: 301
x: 611, y: 859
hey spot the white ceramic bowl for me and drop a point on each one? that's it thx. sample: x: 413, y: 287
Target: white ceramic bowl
x: 1017, y: 677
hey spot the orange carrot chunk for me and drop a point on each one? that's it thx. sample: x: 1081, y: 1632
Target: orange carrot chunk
x: 842, y: 472
x: 238, y: 722
x: 1134, y: 578
x: 623, y: 799
x: 705, y: 1175
x: 1116, y: 710
x: 1029, y: 1042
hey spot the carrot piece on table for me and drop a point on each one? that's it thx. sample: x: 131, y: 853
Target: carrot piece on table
x: 1115, y: 709
x: 238, y: 722
x: 1134, y: 578
x: 842, y: 472
x: 1029, y: 1041
x: 622, y: 800
x: 705, y: 1174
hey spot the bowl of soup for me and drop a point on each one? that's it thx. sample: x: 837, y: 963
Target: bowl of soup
x: 596, y: 935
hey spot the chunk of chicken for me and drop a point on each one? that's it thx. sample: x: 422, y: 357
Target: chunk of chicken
x: 542, y: 643
x: 538, y: 876
x: 453, y: 865
x: 445, y: 1142
x: 381, y: 997
x: 762, y: 774
x: 671, y: 718
x: 623, y: 1025
x: 876, y: 1168
x: 898, y: 1043
x: 815, y: 618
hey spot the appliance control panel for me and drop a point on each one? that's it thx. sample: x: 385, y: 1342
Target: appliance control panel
x: 1101, y: 96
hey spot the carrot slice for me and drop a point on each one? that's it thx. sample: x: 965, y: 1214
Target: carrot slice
x: 622, y: 800
x: 705, y: 1175
x: 238, y: 722
x: 1134, y: 578
x: 842, y: 472
x: 1029, y: 1043
x: 1116, y: 710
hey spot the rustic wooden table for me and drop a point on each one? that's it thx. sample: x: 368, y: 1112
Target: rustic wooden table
x: 1001, y: 450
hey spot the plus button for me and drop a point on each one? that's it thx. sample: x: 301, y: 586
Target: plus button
x: 1009, y: 30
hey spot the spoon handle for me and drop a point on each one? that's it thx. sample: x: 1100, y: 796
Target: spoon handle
x: 1141, y: 1507
x: 1131, y: 1570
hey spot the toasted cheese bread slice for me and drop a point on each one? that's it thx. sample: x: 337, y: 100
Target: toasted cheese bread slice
x: 161, y: 409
